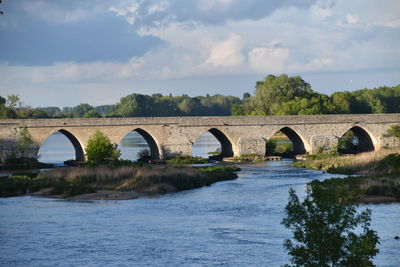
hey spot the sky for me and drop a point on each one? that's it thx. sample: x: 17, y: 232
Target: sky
x: 63, y: 53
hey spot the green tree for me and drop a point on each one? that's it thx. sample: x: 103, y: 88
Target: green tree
x: 274, y: 90
x: 324, y: 229
x: 24, y: 141
x: 345, y: 143
x: 91, y: 114
x: 100, y: 150
x: 81, y: 109
x: 3, y: 108
x: 13, y: 102
x: 342, y: 102
x: 135, y: 105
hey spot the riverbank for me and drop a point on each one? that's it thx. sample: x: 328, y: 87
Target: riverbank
x: 126, y: 182
x: 368, y: 163
x: 379, y: 174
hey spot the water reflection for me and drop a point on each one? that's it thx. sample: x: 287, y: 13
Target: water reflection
x: 205, y: 144
x: 131, y: 145
x: 56, y: 149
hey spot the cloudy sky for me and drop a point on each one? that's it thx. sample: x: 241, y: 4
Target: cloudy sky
x: 62, y: 53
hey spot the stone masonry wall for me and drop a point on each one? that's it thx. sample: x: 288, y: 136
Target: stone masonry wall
x: 176, y: 135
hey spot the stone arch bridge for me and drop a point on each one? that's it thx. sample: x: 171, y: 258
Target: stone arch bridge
x: 237, y: 135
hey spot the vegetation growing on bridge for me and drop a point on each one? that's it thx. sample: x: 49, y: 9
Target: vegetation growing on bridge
x: 274, y: 95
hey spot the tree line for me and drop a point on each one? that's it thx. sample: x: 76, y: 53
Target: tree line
x: 275, y: 95
x: 134, y: 105
x: 284, y: 95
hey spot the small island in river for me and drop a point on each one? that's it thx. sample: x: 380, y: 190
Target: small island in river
x: 113, y: 183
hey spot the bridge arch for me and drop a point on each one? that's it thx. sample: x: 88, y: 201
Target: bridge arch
x: 78, y: 147
x: 300, y: 146
x: 223, y: 139
x: 365, y: 140
x: 150, y: 140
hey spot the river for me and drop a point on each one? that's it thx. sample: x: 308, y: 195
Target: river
x: 231, y: 223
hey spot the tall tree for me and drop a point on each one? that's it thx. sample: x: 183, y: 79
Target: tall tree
x: 274, y: 90
x: 327, y: 230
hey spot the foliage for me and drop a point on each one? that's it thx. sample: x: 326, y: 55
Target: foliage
x: 80, y: 110
x: 24, y: 141
x: 249, y: 158
x: 185, y: 159
x: 274, y: 95
x: 215, y: 153
x: 91, y: 114
x: 100, y: 150
x: 394, y: 131
x: 22, y: 163
x: 384, y: 161
x: 324, y: 230
x: 20, y: 184
x: 346, y: 145
x: 270, y: 147
x: 356, y: 187
x: 80, y: 180
x: 276, y: 148
x: 283, y: 95
x: 182, y: 179
x: 391, y: 163
x: 144, y: 153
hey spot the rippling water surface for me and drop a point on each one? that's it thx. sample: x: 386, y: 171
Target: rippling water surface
x: 232, y: 223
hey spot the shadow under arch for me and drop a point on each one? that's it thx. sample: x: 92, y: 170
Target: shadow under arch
x: 298, y: 144
x: 151, y: 142
x: 79, y: 153
x: 364, y: 140
x: 226, y: 145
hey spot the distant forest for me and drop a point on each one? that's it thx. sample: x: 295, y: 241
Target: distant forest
x: 275, y: 95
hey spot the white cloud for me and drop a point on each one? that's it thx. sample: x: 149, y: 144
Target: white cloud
x: 227, y: 53
x: 321, y: 10
x: 290, y: 40
x: 352, y: 19
x: 130, y: 12
x: 268, y: 59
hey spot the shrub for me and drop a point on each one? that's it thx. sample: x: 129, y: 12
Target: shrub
x: 100, y: 150
x: 392, y: 161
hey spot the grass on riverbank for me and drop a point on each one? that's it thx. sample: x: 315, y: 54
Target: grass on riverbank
x: 360, y: 188
x: 162, y: 180
x: 368, y: 163
x: 184, y: 160
x: 67, y: 182
x: 382, y: 168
